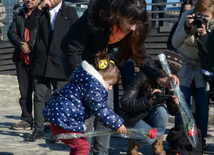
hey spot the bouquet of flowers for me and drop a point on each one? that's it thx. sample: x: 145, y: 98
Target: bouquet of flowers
x: 131, y: 133
x: 186, y: 115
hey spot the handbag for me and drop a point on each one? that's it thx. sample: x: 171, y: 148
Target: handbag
x: 179, y: 143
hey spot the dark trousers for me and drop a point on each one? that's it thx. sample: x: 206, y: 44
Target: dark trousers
x: 127, y: 73
x: 25, y: 80
x: 160, y: 15
x: 41, y: 86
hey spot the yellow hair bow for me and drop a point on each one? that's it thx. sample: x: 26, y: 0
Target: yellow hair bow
x: 103, y: 63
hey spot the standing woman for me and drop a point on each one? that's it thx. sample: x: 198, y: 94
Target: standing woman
x: 186, y: 40
x: 104, y: 25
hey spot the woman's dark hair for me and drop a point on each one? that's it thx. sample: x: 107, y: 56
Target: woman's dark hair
x: 111, y: 71
x: 130, y: 45
x: 187, y: 2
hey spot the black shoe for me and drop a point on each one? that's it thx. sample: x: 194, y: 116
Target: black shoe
x: 37, y: 134
x: 21, y: 125
x: 53, y: 139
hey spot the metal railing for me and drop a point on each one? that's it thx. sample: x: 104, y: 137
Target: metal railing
x: 80, y: 10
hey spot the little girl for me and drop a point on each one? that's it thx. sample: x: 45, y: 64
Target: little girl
x: 85, y: 94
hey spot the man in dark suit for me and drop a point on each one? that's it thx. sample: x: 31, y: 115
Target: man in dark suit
x: 54, y: 20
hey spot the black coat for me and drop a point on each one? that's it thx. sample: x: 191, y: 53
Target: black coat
x: 135, y: 103
x: 90, y: 34
x: 16, y: 33
x: 47, y: 50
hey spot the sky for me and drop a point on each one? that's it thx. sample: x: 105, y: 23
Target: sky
x: 168, y: 1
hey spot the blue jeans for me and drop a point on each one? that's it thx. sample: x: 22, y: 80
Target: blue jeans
x: 202, y: 102
x: 157, y: 118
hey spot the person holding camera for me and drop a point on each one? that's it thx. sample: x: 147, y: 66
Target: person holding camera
x: 141, y: 107
x: 186, y: 5
x: 190, y: 39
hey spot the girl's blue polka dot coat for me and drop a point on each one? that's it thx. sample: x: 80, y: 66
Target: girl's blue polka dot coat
x: 83, y: 95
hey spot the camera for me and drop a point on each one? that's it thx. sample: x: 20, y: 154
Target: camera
x: 199, y: 19
x: 158, y: 96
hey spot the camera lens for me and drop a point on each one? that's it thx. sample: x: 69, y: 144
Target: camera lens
x: 197, y: 23
x: 199, y: 19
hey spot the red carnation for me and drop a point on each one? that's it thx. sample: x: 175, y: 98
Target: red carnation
x: 152, y: 133
x: 192, y: 132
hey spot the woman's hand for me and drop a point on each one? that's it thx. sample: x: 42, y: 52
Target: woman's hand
x: 151, y: 101
x: 175, y: 99
x: 165, y: 82
x: 122, y: 130
x: 189, y: 21
x: 201, y: 31
x: 175, y: 79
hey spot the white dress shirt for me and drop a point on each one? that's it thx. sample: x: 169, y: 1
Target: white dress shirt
x: 53, y: 14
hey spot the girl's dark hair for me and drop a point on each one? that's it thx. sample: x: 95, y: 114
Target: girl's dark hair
x: 111, y: 71
x: 135, y: 10
x: 190, y: 2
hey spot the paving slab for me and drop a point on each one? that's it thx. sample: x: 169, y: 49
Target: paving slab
x: 12, y: 142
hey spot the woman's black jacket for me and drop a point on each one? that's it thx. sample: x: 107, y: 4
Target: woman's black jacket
x: 135, y: 103
x: 90, y: 34
x: 16, y: 33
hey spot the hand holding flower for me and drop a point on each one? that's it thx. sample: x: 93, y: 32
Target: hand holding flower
x: 122, y: 130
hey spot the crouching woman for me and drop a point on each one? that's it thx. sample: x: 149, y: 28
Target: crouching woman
x: 140, y: 110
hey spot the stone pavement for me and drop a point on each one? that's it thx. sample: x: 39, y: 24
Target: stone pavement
x: 12, y: 141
